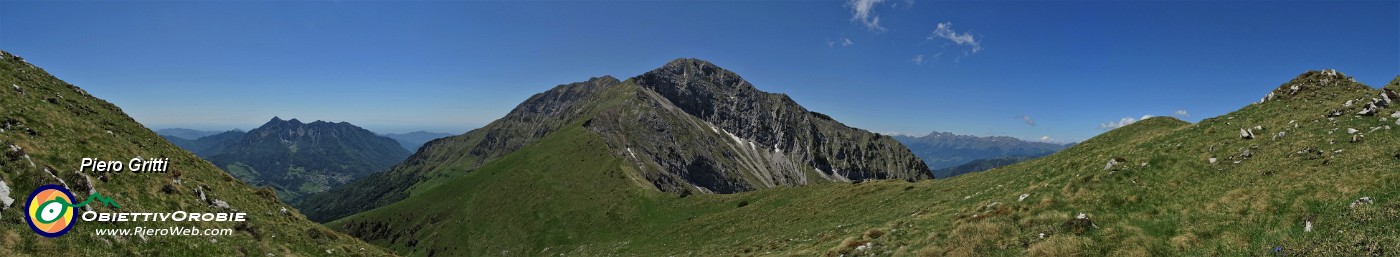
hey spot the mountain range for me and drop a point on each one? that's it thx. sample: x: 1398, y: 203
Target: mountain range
x: 296, y: 158
x: 944, y: 151
x: 414, y: 140
x: 689, y: 159
x: 1307, y: 171
x: 685, y: 128
x: 47, y: 126
x: 190, y: 138
x: 184, y: 133
x: 206, y: 145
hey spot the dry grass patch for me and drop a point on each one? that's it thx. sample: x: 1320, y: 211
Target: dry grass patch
x: 1062, y: 245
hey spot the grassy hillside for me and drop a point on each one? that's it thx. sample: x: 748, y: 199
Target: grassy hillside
x: 1297, y: 187
x: 47, y: 126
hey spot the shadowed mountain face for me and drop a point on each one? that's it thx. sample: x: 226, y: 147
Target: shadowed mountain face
x: 687, y: 127
x: 775, y: 140
x: 47, y: 126
x: 300, y: 158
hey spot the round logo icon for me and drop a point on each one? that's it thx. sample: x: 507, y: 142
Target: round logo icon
x: 50, y: 210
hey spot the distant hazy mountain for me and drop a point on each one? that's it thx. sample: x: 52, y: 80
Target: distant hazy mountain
x: 413, y: 140
x: 207, y: 145
x: 185, y: 133
x: 942, y: 150
x: 979, y: 165
x: 299, y: 158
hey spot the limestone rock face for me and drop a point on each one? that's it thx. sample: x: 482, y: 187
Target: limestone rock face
x: 695, y: 126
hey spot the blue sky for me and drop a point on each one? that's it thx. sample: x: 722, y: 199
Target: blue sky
x: 1059, y: 70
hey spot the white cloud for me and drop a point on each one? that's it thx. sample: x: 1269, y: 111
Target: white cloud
x: 1146, y: 116
x: 918, y: 59
x: 1120, y: 123
x: 1182, y: 113
x: 863, y: 12
x: 1045, y: 139
x: 945, y: 31
x: 830, y: 43
x: 1027, y: 119
x: 847, y: 42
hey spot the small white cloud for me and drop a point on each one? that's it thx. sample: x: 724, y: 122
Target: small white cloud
x: 945, y: 31
x: 1027, y: 119
x: 830, y: 43
x: 1045, y: 139
x: 847, y: 42
x: 863, y: 12
x: 1120, y: 123
x: 1146, y: 116
x: 1182, y: 113
x: 918, y: 59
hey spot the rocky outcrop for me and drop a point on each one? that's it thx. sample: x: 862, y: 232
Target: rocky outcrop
x: 1312, y: 82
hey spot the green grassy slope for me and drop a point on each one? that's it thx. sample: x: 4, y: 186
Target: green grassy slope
x: 444, y: 158
x: 561, y: 196
x: 53, y: 125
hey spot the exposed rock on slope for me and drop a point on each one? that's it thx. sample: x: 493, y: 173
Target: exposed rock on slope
x: 695, y: 125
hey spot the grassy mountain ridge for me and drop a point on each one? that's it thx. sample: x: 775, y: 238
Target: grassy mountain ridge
x: 443, y: 158
x: 1161, y: 186
x: 49, y: 125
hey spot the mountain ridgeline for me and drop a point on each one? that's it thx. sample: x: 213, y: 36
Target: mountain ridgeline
x: 47, y: 126
x: 687, y: 127
x: 184, y: 133
x: 206, y: 145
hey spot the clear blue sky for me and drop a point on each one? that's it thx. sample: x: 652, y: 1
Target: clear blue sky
x: 986, y: 67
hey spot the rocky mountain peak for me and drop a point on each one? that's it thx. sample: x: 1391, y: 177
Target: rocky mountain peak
x: 1313, y: 82
x: 788, y: 140
x: 689, y: 75
x: 278, y: 121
